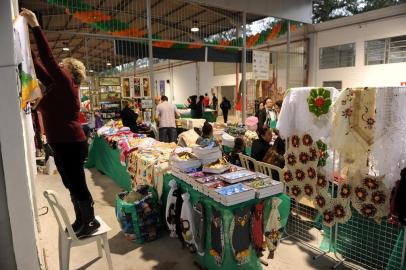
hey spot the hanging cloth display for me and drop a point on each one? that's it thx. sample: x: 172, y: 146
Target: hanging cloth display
x: 307, y: 110
x: 30, y: 90
x: 273, y: 227
x: 199, y: 227
x: 217, y: 236
x: 257, y: 228
x: 389, y: 149
x: 240, y: 235
x: 353, y: 127
x: 187, y: 224
x: 170, y: 212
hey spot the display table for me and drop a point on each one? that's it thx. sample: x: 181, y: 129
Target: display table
x: 107, y: 160
x: 208, y: 114
x: 229, y: 262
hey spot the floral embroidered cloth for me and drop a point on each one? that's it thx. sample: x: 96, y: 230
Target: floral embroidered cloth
x: 298, y: 112
x: 353, y: 126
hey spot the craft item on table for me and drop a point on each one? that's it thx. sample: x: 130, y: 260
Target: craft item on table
x: 257, y: 230
x: 170, y: 212
x: 184, y: 160
x: 235, y: 130
x: 265, y: 187
x: 238, y: 176
x: 207, y: 154
x: 202, y: 179
x: 199, y: 227
x: 307, y: 110
x: 250, y: 137
x: 187, y: 224
x: 219, y: 166
x: 145, y: 169
x: 240, y: 235
x: 389, y: 149
x: 233, y: 189
x: 233, y: 194
x: 273, y: 228
x: 354, y: 126
x: 210, y: 188
x: 217, y: 236
x: 227, y: 140
x: 188, y: 138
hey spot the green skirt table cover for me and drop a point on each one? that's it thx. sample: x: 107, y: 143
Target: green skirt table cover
x: 227, y: 213
x: 107, y: 160
x: 208, y: 115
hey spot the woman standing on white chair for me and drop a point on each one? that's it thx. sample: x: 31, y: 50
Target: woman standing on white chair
x: 60, y: 107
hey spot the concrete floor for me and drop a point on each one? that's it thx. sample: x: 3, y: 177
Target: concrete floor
x: 165, y: 253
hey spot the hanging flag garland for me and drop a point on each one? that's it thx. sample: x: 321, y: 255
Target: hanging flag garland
x: 97, y: 19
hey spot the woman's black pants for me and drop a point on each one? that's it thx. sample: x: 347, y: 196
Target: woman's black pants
x: 69, y: 160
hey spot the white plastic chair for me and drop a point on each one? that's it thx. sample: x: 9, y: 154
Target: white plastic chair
x: 68, y: 239
x: 246, y: 160
x: 267, y: 169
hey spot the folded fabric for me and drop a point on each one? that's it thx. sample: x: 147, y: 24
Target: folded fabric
x: 228, y: 140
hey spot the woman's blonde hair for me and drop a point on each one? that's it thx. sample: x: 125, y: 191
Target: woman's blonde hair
x: 76, y: 68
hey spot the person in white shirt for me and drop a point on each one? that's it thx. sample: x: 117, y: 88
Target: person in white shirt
x: 166, y: 113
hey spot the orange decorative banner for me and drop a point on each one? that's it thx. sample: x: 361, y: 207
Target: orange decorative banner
x: 92, y: 16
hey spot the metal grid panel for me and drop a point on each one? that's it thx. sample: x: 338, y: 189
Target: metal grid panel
x: 305, y: 225
x: 363, y: 242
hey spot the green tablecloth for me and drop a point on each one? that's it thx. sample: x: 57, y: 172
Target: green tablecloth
x: 107, y: 160
x: 209, y: 116
x: 227, y: 214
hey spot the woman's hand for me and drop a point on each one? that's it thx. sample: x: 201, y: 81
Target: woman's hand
x: 30, y: 16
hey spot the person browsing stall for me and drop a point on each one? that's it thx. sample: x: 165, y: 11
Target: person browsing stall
x: 60, y: 107
x: 166, y: 113
x: 129, y: 116
x: 206, y: 138
x: 261, y: 145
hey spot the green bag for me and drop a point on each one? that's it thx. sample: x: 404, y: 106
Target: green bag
x: 140, y: 221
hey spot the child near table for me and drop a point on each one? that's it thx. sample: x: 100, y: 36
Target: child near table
x: 206, y: 139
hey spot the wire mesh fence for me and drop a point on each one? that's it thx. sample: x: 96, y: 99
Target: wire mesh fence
x: 363, y: 242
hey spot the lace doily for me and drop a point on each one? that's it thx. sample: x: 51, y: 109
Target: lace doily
x: 389, y: 151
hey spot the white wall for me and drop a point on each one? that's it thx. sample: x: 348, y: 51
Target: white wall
x: 186, y: 79
x: 359, y: 75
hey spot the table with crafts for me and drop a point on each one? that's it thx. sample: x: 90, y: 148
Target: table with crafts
x: 222, y: 221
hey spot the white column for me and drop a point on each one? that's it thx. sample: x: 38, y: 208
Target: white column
x: 13, y: 150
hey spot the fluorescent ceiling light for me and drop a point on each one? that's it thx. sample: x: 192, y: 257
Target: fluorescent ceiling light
x: 91, y: 70
x: 194, y: 29
x: 65, y: 49
x: 108, y: 64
